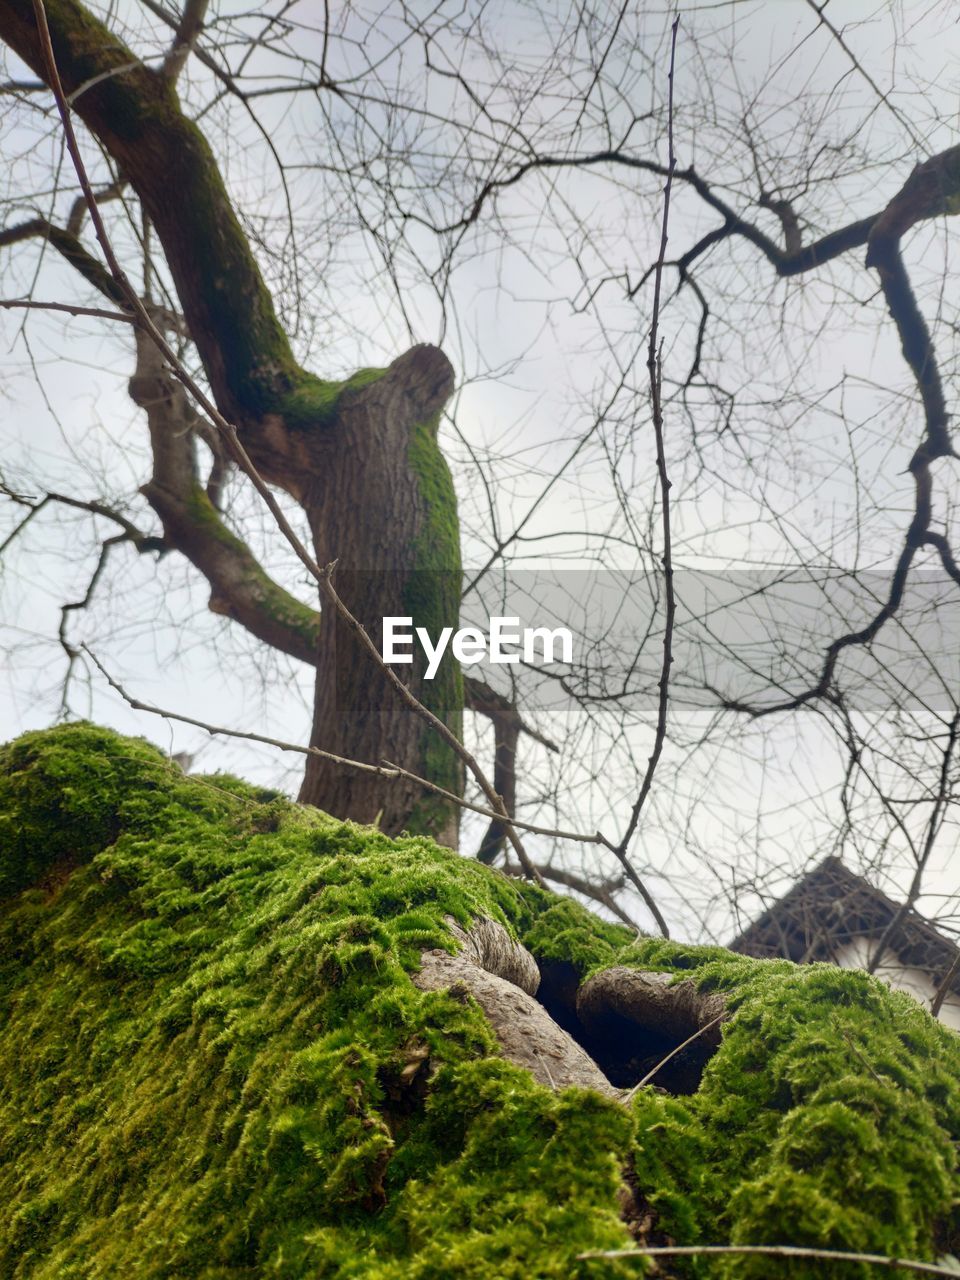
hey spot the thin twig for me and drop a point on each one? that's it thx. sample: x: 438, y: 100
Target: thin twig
x: 387, y: 769
x: 219, y: 731
x: 773, y: 1251
x: 142, y: 541
x: 601, y: 892
x: 28, y: 304
x: 946, y: 984
x: 672, y: 1054
x: 655, y: 371
x: 70, y: 649
x: 934, y: 824
x: 861, y: 1057
x: 556, y: 832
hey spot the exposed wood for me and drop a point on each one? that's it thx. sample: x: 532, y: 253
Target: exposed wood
x: 527, y: 1034
x: 490, y: 946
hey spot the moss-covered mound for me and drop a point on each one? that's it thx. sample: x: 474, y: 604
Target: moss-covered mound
x: 215, y: 1063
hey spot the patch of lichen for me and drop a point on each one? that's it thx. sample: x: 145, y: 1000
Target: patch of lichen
x: 207, y: 1017
x: 829, y: 1117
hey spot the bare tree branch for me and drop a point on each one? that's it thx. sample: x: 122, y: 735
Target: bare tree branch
x: 385, y: 770
x: 188, y: 32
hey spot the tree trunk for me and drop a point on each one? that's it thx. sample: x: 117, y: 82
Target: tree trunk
x: 384, y: 508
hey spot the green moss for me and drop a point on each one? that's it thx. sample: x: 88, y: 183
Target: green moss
x: 431, y: 814
x: 130, y: 94
x: 207, y: 1015
x: 829, y: 1118
x: 432, y: 598
x: 314, y: 402
x: 59, y: 799
x: 138, y: 111
x: 564, y: 930
x: 215, y: 1064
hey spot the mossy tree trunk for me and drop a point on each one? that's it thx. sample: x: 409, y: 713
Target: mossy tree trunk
x: 387, y: 482
x: 361, y: 456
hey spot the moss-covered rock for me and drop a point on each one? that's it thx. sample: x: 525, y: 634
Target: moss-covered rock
x: 215, y: 1064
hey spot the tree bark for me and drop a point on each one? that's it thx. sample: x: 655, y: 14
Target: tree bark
x: 382, y: 505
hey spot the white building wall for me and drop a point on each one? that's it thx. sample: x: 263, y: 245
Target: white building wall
x: 858, y: 953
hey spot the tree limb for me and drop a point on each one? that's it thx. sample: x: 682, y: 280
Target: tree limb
x: 932, y: 190
x: 601, y: 891
x: 135, y: 113
x: 240, y: 587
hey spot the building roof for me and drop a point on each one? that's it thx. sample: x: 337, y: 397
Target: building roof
x: 831, y: 907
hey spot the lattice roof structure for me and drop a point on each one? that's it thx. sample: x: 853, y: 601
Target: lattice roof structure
x: 831, y: 907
